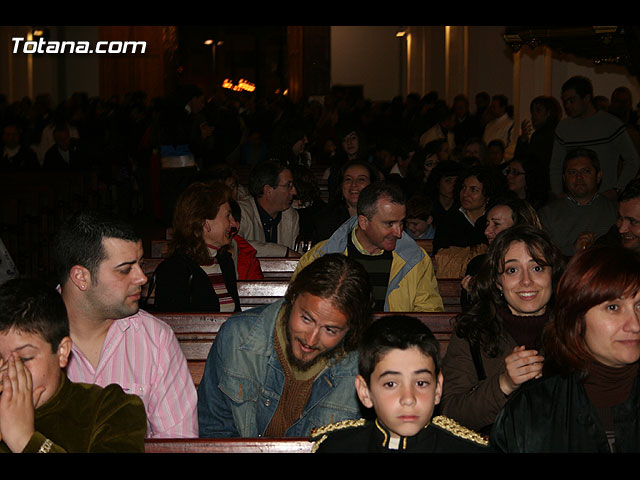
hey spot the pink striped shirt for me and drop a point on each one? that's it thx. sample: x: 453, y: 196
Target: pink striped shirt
x: 142, y: 355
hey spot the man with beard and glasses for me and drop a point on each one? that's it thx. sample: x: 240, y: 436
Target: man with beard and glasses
x: 285, y: 368
x: 98, y: 264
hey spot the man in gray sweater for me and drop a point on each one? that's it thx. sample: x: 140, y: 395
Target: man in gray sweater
x: 596, y: 130
x: 576, y: 220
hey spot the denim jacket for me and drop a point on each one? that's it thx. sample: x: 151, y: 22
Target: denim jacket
x: 243, y: 381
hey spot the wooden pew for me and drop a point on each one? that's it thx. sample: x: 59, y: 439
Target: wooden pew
x: 271, y: 266
x: 427, y: 245
x: 258, y: 292
x: 229, y: 445
x: 197, y: 331
x: 276, y: 267
x: 253, y: 293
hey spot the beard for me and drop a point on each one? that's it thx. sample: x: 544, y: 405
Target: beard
x: 302, y: 365
x: 305, y: 365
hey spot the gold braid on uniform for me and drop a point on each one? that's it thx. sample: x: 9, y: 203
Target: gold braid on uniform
x: 458, y: 430
x: 322, y: 431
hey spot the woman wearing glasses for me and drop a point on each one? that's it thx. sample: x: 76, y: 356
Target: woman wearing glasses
x: 527, y: 178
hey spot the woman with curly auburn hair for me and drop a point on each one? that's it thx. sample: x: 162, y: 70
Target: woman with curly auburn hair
x: 200, y: 274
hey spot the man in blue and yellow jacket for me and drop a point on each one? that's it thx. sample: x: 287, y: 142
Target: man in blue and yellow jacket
x: 401, y: 272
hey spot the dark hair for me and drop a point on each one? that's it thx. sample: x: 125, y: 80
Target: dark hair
x: 415, y: 170
x: 78, y: 241
x: 442, y: 111
x: 460, y: 98
x: 483, y: 148
x: 338, y: 198
x: 345, y: 282
x: 30, y: 306
x: 419, y: 207
x: 373, y: 171
x: 220, y: 173
x: 479, y: 324
x: 236, y: 211
x: 579, y: 153
x: 551, y: 105
x: 306, y: 183
x: 593, y: 276
x: 536, y: 178
x: 501, y: 99
x: 582, y: 85
x: 265, y: 173
x: 371, y: 193
x: 448, y: 168
x: 395, y: 332
x: 497, y: 143
x: 630, y: 191
x: 483, y: 96
x: 433, y: 147
x: 185, y: 93
x: 197, y: 203
x: 493, y: 184
x: 522, y: 213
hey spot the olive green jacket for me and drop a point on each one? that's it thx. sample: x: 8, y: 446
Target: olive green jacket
x: 84, y: 418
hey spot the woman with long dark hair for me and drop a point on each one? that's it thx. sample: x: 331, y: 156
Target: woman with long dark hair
x: 496, y: 345
x: 463, y: 225
x: 588, y: 399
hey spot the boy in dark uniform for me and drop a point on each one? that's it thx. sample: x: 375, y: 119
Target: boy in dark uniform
x: 399, y: 377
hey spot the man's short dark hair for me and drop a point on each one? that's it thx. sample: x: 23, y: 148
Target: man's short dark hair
x: 30, y: 306
x: 502, y: 100
x: 630, y: 191
x: 186, y: 93
x: 395, y: 332
x: 346, y: 283
x: 265, y: 173
x: 582, y: 85
x: 78, y: 241
x: 370, y: 195
x: 419, y: 207
x: 579, y: 153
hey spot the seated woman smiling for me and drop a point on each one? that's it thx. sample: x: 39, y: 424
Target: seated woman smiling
x: 200, y: 274
x: 495, y: 347
x: 503, y: 213
x: 588, y: 399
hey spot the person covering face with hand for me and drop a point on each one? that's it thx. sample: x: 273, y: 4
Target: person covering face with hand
x: 40, y: 409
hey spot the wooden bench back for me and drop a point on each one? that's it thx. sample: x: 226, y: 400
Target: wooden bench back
x: 229, y: 445
x: 197, y: 331
x: 258, y: 292
x: 253, y: 293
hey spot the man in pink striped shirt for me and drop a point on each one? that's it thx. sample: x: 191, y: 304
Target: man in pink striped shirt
x: 98, y: 264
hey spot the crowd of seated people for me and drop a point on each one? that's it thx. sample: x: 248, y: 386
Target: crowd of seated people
x: 347, y: 188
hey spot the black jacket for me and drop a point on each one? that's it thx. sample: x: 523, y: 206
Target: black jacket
x: 442, y: 435
x: 181, y: 285
x: 554, y: 414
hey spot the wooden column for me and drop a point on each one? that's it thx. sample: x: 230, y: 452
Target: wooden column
x: 151, y: 72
